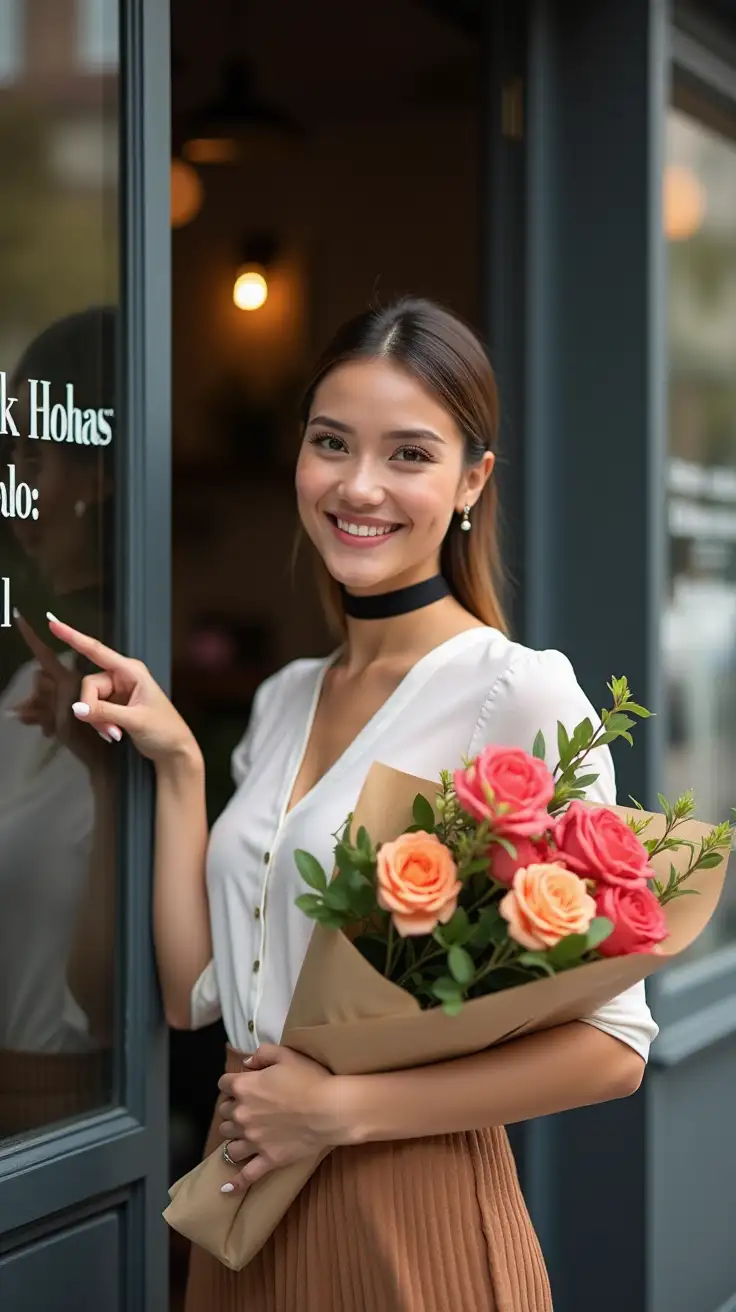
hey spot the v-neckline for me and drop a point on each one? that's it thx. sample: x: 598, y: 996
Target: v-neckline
x: 420, y: 669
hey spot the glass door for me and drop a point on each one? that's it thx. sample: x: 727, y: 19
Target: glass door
x: 84, y: 515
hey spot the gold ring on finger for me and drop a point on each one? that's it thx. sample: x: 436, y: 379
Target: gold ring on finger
x: 226, y: 1154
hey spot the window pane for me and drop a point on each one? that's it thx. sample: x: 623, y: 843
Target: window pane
x: 699, y: 623
x: 58, y: 445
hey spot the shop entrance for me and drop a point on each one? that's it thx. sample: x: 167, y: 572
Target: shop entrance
x: 325, y: 156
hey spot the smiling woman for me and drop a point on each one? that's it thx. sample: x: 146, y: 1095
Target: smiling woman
x: 400, y: 423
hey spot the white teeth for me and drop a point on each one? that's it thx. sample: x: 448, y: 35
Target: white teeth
x: 363, y: 530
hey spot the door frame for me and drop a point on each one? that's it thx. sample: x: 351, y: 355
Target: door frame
x: 117, y: 1160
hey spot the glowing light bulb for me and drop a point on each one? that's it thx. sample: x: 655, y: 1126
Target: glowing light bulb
x: 250, y: 290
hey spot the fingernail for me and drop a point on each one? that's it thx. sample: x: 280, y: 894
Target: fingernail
x: 16, y: 613
x: 115, y: 733
x: 51, y: 617
x: 227, y: 1189
x: 104, y: 735
x: 80, y: 709
x: 247, y: 1061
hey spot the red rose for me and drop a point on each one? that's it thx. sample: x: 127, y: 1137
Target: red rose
x: 638, y: 920
x: 509, y: 788
x: 528, y: 853
x: 596, y: 843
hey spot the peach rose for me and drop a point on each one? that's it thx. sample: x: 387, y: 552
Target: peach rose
x: 544, y: 904
x: 417, y: 883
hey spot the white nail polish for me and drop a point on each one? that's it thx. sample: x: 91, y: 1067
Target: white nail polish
x: 227, y: 1189
x: 80, y: 709
x: 104, y: 735
x: 51, y: 617
x: 16, y: 613
x: 115, y: 733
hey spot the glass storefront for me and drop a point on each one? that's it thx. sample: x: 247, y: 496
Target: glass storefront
x: 59, y: 258
x: 699, y: 621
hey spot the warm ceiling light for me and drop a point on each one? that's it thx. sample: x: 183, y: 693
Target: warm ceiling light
x: 250, y: 290
x: 684, y: 203
x: 187, y: 193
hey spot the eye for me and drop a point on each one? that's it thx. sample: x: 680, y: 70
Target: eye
x: 412, y: 455
x: 328, y: 442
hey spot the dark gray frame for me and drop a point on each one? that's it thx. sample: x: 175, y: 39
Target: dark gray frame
x: 80, y: 1207
x: 575, y: 289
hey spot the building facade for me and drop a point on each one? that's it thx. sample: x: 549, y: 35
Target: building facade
x: 605, y: 222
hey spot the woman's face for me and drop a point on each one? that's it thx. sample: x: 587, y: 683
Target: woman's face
x: 381, y: 472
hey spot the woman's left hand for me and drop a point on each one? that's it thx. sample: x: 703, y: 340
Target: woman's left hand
x: 277, y: 1109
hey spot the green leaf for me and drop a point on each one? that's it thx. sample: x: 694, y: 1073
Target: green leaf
x: 462, y: 966
x: 423, y: 813
x: 536, y: 959
x: 563, y: 742
x: 337, y: 896
x: 363, y: 901
x: 308, y: 903
x: 329, y: 918
x: 364, y: 843
x: 452, y: 1006
x: 709, y: 861
x: 568, y: 951
x: 478, y: 866
x: 505, y: 844
x: 636, y: 709
x: 458, y: 929
x: 447, y: 989
x: 489, y: 928
x: 582, y: 736
x: 540, y: 747
x: 586, y: 780
x: 600, y: 928
x: 310, y: 870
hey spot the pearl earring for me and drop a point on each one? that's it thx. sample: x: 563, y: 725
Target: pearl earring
x: 79, y: 508
x: 465, y: 521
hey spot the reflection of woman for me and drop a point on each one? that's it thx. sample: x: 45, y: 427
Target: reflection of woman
x: 418, y: 1208
x: 56, y: 785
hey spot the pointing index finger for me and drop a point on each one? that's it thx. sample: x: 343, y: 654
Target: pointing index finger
x: 46, y: 658
x: 92, y: 648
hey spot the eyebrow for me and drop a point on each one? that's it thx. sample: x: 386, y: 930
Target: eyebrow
x: 417, y: 434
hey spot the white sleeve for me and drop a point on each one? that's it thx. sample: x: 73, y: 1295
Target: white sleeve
x: 537, y: 690
x: 205, y: 1005
x: 205, y: 1000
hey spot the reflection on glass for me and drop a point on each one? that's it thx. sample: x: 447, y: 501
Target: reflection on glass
x: 58, y: 436
x: 699, y: 620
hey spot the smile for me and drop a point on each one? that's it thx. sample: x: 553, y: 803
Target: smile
x: 361, y: 533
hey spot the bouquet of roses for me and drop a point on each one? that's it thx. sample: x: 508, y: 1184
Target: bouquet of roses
x: 465, y: 913
x: 509, y: 875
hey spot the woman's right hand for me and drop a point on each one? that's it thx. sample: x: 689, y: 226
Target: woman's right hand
x: 125, y: 696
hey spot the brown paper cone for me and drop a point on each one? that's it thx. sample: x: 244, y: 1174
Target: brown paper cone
x: 352, y: 1020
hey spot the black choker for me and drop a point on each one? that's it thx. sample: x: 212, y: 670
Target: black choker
x: 389, y: 604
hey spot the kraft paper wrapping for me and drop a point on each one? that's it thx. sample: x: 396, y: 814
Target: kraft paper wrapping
x: 354, y: 1021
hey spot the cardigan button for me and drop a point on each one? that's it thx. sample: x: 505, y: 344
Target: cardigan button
x: 251, y: 1026
x: 256, y: 966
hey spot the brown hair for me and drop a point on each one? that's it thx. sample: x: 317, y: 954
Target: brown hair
x: 447, y: 358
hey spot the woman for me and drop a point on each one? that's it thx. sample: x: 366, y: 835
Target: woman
x: 418, y: 1207
x: 57, y: 782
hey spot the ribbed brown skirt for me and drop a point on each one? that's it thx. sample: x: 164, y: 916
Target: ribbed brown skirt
x: 422, y: 1225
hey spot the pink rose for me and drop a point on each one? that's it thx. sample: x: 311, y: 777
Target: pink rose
x: 509, y: 788
x: 528, y: 853
x: 595, y: 842
x: 639, y: 922
x: 545, y: 904
x: 417, y: 882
